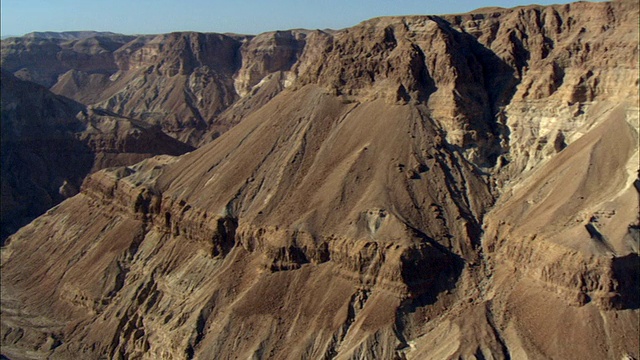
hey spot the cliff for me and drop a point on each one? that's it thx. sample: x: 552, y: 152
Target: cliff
x: 51, y: 143
x: 420, y: 187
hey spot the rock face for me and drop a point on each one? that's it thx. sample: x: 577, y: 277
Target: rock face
x: 50, y: 143
x: 414, y: 187
x: 41, y: 59
x: 180, y: 81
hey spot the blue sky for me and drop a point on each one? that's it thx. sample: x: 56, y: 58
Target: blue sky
x: 248, y: 17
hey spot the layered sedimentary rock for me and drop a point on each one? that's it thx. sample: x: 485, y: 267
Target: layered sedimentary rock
x: 180, y: 81
x: 42, y: 59
x: 50, y: 143
x: 415, y: 187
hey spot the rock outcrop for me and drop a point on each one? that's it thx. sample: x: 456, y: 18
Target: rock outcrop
x: 415, y: 187
x: 42, y: 59
x: 50, y: 143
x: 180, y: 81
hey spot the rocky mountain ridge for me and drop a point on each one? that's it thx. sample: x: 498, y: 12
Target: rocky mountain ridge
x: 413, y: 187
x: 50, y: 144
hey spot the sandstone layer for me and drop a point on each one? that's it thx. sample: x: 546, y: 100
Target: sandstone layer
x: 421, y: 187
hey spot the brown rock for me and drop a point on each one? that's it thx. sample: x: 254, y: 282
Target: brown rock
x: 50, y: 143
x: 297, y: 234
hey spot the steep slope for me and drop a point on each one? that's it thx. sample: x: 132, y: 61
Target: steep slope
x: 70, y: 35
x: 181, y: 81
x: 184, y: 81
x: 363, y: 228
x: 42, y: 59
x: 50, y: 143
x: 568, y: 234
x: 385, y: 203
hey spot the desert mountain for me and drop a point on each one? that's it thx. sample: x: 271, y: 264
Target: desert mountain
x: 71, y: 35
x: 50, y: 143
x: 42, y: 59
x: 180, y: 81
x: 420, y: 187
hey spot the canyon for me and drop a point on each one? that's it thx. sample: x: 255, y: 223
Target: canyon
x: 419, y: 187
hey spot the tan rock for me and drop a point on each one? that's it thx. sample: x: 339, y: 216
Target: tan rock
x: 460, y: 186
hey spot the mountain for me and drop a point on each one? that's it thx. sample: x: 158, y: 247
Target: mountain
x: 42, y: 59
x: 70, y: 35
x: 50, y: 143
x: 418, y: 187
x: 182, y: 82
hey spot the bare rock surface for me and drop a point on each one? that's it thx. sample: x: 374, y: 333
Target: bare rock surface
x: 50, y: 143
x: 416, y: 187
x: 42, y: 59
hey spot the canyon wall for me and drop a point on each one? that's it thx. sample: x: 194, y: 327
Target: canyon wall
x: 420, y: 187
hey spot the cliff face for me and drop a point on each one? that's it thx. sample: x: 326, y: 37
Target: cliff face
x: 196, y: 86
x: 180, y: 81
x: 42, y: 59
x: 50, y: 143
x: 421, y: 187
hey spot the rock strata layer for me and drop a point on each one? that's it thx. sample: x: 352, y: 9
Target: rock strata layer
x: 421, y: 187
x: 51, y: 143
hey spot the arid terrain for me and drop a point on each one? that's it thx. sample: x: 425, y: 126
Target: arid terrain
x: 419, y: 187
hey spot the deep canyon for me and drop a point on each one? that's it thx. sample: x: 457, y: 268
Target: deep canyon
x: 418, y: 187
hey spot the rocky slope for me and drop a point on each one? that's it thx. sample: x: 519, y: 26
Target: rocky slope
x: 42, y: 59
x: 421, y: 187
x: 50, y: 143
x: 180, y: 81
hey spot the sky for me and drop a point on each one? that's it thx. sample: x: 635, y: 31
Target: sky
x: 19, y: 17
